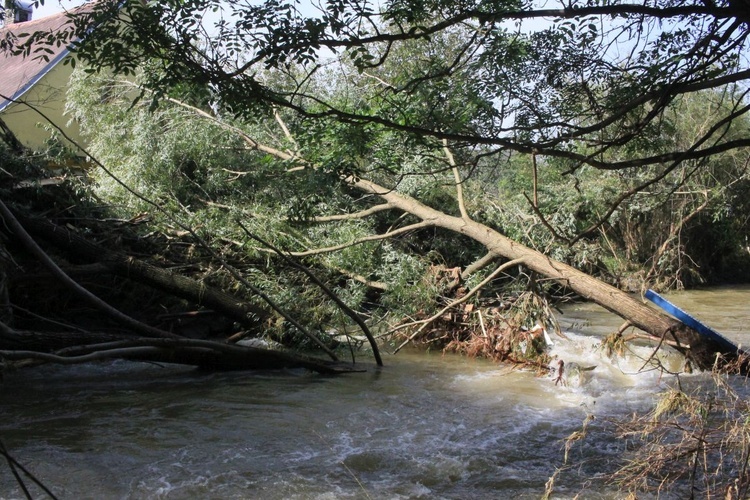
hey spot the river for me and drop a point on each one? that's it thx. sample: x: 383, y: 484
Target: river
x: 424, y: 426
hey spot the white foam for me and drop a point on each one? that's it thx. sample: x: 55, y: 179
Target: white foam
x: 615, y: 383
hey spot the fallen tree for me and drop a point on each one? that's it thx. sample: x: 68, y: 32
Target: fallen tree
x: 560, y: 91
x: 703, y: 352
x: 20, y: 348
x: 661, y: 329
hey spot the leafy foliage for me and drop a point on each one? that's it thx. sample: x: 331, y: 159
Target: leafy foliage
x: 203, y: 175
x: 619, y: 144
x: 595, y: 78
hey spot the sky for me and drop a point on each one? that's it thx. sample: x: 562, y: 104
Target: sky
x: 53, y: 6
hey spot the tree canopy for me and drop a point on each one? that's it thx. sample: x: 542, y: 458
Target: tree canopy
x: 572, y: 82
x: 604, y: 85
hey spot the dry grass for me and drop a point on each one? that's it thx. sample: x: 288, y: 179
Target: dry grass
x: 693, y: 446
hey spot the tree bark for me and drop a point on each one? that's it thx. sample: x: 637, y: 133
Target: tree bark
x: 699, y: 349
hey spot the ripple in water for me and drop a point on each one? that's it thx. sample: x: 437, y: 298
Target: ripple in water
x: 425, y: 426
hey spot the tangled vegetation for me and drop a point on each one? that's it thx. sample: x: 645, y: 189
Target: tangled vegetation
x: 693, y: 444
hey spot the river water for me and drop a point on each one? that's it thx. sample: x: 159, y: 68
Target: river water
x: 424, y: 426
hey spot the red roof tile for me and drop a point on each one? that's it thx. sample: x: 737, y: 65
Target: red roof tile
x: 18, y: 73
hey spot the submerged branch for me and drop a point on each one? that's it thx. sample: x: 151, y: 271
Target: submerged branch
x: 202, y: 353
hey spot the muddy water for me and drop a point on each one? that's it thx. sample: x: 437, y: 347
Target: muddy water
x: 425, y: 426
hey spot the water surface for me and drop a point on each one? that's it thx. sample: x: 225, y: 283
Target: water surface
x: 424, y: 426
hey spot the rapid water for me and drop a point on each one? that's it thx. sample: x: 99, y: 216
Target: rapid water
x: 424, y: 426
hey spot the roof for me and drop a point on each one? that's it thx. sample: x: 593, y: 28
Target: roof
x: 20, y: 73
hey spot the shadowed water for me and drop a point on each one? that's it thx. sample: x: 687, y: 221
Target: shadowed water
x: 425, y: 426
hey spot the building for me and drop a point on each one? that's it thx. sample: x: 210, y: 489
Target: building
x: 33, y: 87
x: 16, y: 11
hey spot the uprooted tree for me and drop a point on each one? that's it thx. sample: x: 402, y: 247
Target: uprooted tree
x: 371, y: 99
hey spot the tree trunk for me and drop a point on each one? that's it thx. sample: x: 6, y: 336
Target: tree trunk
x: 699, y: 349
x: 123, y: 265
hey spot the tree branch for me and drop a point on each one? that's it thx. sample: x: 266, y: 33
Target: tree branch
x: 26, y: 240
x: 270, y: 52
x: 356, y: 215
x: 459, y: 182
x: 359, y: 241
x: 472, y: 292
x: 182, y: 351
x: 478, y: 265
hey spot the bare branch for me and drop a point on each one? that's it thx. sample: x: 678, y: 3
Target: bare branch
x: 284, y: 128
x: 378, y: 285
x: 178, y: 350
x: 457, y: 178
x: 477, y: 265
x: 355, y: 215
x: 376, y: 237
x: 676, y: 228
